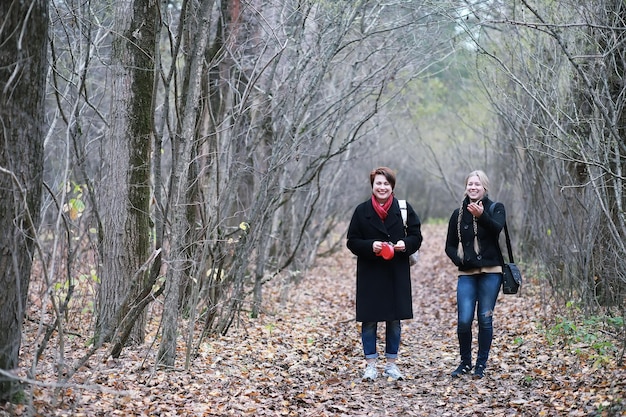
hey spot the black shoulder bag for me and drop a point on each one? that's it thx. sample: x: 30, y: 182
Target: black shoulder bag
x: 511, y: 275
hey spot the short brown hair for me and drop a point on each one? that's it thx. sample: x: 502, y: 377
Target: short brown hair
x: 387, y: 172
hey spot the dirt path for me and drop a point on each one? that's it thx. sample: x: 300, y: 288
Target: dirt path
x: 313, y: 361
x: 303, y: 358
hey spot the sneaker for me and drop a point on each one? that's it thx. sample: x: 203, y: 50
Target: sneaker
x: 392, y: 371
x: 370, y: 372
x: 479, y: 371
x: 464, y: 368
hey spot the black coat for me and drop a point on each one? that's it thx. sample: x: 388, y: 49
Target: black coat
x: 383, y: 288
x: 489, y: 227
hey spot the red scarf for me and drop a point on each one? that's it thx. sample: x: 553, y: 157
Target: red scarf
x: 384, y: 209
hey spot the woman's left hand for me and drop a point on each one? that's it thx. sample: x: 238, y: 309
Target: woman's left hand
x: 399, y: 246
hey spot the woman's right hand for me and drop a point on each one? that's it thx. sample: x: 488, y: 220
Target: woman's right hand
x: 476, y: 208
x: 377, y: 246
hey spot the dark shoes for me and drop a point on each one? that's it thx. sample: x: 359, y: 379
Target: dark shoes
x: 479, y: 371
x: 464, y: 368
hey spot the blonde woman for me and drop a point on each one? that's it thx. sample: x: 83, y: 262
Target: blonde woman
x: 472, y: 245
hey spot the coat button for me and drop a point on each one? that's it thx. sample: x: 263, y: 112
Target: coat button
x: 479, y: 257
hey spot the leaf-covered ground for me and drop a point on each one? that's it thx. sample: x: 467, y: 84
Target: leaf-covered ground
x: 303, y: 358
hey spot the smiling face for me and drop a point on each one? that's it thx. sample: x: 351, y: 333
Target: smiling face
x: 474, y: 188
x: 381, y: 188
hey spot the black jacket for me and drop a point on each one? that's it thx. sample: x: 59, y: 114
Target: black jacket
x: 383, y: 288
x: 489, y: 226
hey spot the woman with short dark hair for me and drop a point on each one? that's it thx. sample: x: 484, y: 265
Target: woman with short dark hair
x: 382, y: 244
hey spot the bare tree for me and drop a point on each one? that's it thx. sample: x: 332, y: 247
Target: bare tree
x: 124, y: 191
x: 182, y: 146
x: 558, y: 89
x: 23, y: 36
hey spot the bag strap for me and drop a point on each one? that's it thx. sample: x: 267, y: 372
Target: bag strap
x: 492, y: 207
x: 402, y: 204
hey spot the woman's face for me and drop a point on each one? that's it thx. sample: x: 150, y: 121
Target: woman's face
x: 381, y: 188
x: 474, y: 188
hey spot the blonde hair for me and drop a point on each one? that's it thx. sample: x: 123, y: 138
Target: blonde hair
x: 484, y: 181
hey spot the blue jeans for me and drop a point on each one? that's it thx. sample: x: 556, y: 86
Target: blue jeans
x: 473, y: 290
x: 392, y: 339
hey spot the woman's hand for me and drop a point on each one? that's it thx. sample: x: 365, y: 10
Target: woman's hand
x: 400, y: 246
x: 476, y: 209
x: 377, y: 246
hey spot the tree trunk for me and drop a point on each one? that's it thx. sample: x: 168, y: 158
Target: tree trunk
x: 183, y: 145
x: 125, y: 193
x: 23, y: 36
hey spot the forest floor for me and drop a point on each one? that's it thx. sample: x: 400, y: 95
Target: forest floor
x: 303, y: 357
